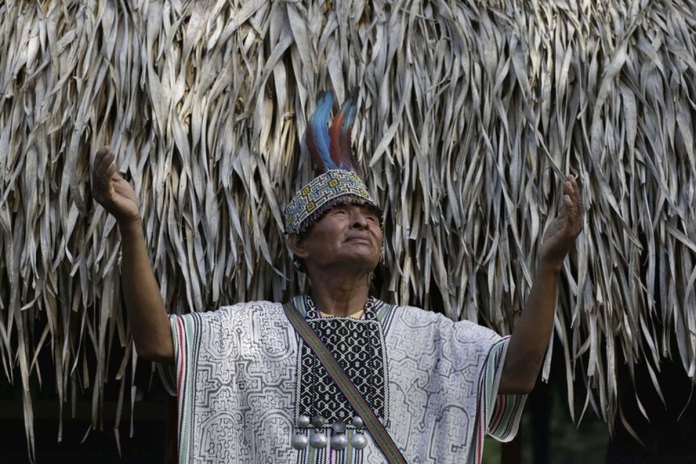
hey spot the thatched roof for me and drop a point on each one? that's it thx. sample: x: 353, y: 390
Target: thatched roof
x: 470, y: 112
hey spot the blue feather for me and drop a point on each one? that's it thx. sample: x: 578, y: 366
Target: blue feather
x: 346, y: 128
x: 318, y: 133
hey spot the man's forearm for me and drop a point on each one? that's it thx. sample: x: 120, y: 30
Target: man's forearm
x: 146, y: 312
x: 531, y: 334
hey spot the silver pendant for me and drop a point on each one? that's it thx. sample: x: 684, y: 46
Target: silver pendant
x: 303, y: 422
x: 339, y: 427
x: 299, y: 441
x: 318, y: 421
x: 339, y: 442
x: 318, y: 440
x: 357, y: 422
x: 359, y: 441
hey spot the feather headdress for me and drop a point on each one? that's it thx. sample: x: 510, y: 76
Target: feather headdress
x: 334, y: 162
x: 330, y: 147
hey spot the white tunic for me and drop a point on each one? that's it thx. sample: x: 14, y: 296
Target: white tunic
x: 244, y: 378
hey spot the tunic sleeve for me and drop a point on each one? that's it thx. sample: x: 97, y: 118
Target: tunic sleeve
x: 186, y: 338
x: 502, y: 413
x: 181, y: 330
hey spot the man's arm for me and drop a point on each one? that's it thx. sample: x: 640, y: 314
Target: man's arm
x: 531, y: 334
x: 146, y: 313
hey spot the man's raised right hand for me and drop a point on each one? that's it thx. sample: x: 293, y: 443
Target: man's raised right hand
x: 111, y: 190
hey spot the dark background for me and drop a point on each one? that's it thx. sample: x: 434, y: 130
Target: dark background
x: 547, y: 434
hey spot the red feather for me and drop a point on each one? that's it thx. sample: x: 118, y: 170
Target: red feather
x: 335, y: 136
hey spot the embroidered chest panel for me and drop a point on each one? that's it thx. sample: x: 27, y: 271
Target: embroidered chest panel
x: 357, y: 346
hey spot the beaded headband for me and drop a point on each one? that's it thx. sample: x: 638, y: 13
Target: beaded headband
x: 333, y: 160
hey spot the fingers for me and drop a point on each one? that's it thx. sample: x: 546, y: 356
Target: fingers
x: 104, y: 168
x: 570, y: 186
x: 572, y: 202
x: 103, y: 157
x: 103, y: 173
x: 571, y: 211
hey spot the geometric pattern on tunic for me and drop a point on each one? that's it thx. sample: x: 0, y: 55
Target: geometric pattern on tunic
x: 261, y: 367
x: 238, y: 376
x: 358, y: 348
x: 435, y: 366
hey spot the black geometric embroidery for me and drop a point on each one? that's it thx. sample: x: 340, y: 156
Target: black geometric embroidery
x: 357, y: 347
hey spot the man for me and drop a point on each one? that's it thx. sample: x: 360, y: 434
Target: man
x: 250, y: 390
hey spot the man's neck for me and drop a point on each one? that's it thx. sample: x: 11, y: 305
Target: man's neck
x: 339, y: 298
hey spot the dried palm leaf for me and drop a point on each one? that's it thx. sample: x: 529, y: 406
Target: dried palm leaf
x: 471, y: 112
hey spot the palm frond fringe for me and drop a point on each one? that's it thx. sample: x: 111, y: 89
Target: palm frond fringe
x: 471, y: 111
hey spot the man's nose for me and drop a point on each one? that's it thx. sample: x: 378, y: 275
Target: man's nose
x: 359, y: 219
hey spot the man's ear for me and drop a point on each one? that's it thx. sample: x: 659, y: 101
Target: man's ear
x: 297, y: 246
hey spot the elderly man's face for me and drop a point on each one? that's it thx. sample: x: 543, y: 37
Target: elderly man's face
x: 348, y: 236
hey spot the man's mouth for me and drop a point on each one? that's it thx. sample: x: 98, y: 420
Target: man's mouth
x: 360, y: 238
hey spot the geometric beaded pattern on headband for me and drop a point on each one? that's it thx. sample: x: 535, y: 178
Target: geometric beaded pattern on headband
x: 333, y: 159
x: 323, y: 188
